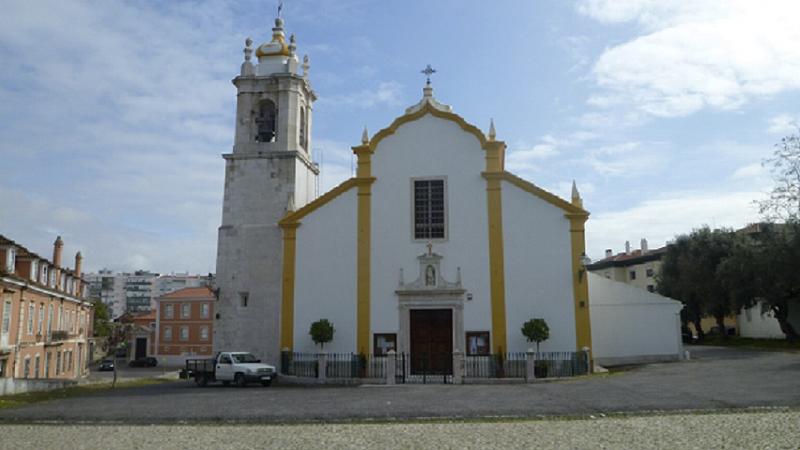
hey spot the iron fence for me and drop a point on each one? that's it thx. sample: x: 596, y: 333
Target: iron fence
x: 434, y: 367
x: 299, y: 364
x: 352, y: 365
x: 561, y: 364
x: 497, y: 365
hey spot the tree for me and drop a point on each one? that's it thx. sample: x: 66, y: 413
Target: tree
x: 765, y: 268
x: 102, y: 325
x: 689, y: 274
x: 784, y: 165
x: 536, y: 330
x: 321, y: 332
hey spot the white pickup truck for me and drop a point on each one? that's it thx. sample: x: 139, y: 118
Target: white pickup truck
x: 237, y: 367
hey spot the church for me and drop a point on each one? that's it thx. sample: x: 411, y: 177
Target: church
x: 432, y: 247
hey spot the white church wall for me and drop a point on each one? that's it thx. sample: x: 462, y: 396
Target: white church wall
x: 631, y: 325
x: 538, y: 269
x: 429, y: 147
x: 325, y: 274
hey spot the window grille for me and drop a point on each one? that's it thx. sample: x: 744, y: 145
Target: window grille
x: 429, y: 209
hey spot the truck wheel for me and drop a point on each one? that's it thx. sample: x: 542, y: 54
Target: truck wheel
x: 226, y: 383
x: 239, y: 380
x: 201, y: 381
x: 266, y: 383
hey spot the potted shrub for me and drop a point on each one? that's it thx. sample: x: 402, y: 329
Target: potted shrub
x: 321, y: 332
x: 536, y: 330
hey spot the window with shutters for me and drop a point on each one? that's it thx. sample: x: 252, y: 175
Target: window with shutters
x: 429, y: 209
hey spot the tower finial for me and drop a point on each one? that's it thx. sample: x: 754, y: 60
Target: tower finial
x: 492, y: 133
x: 365, y: 136
x: 576, y: 196
x: 306, y: 66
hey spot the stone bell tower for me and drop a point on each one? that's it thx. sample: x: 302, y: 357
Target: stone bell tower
x: 269, y: 173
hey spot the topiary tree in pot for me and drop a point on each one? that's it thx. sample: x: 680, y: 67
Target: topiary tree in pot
x: 536, y: 330
x: 321, y: 332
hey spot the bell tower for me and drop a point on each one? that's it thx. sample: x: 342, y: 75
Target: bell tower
x: 269, y: 173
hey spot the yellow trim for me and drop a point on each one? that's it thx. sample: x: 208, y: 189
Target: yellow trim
x: 427, y: 108
x: 363, y: 254
x: 496, y: 263
x: 287, y: 293
x: 294, y: 217
x: 541, y: 193
x: 580, y: 286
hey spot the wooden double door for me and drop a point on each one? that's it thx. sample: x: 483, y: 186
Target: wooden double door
x: 431, y: 337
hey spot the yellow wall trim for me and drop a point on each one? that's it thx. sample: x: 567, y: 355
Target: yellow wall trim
x: 287, y: 291
x: 541, y: 193
x: 580, y: 286
x: 294, y: 217
x: 363, y: 264
x: 427, y: 109
x: 497, y: 287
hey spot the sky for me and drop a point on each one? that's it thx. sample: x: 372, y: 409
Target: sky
x: 114, y: 114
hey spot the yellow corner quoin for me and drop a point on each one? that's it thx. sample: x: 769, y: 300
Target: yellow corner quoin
x: 496, y: 263
x: 580, y: 286
x: 287, y: 293
x: 363, y: 275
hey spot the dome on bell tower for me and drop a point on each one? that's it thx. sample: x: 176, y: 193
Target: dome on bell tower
x: 277, y: 46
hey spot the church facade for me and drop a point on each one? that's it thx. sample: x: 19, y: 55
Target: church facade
x: 431, y: 247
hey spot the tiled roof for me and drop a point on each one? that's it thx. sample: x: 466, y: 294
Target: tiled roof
x: 189, y: 292
x: 23, y: 252
x: 627, y: 259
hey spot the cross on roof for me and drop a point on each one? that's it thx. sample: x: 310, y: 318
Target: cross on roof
x: 428, y: 72
x: 429, y: 245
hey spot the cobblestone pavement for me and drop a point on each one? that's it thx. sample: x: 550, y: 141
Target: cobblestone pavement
x: 767, y: 429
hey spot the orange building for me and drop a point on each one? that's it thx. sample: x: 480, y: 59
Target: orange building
x: 185, y: 324
x: 45, y: 318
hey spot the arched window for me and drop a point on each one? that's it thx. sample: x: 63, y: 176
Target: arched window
x: 266, y: 121
x: 303, y: 128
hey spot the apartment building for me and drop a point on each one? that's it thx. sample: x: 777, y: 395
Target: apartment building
x: 635, y: 267
x: 136, y: 292
x: 45, y: 317
x: 185, y: 324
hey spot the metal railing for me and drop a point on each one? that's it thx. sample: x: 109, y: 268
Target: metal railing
x: 497, y: 365
x: 435, y: 367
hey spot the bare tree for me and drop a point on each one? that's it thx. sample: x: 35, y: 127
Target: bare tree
x: 783, y: 203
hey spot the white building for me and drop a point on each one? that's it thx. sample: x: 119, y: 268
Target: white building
x: 433, y: 246
x: 631, y: 325
x: 137, y: 292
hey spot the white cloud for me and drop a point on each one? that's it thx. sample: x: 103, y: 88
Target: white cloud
x: 625, y: 159
x: 698, y: 54
x: 660, y: 220
x: 748, y: 172
x: 784, y: 124
x: 387, y: 93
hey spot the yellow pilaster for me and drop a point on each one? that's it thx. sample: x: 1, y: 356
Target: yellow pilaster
x: 287, y: 299
x: 494, y: 199
x: 364, y: 244
x: 580, y: 286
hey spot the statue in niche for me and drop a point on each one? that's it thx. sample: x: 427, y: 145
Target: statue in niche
x: 430, y: 276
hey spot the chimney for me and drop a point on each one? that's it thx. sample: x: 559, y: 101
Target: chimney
x: 627, y: 247
x: 58, y: 245
x: 644, y: 246
x: 78, y: 264
x: 609, y: 253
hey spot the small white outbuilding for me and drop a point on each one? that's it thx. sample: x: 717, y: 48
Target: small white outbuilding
x: 631, y: 325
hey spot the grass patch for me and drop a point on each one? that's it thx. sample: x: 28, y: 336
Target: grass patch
x: 743, y: 342
x: 17, y: 400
